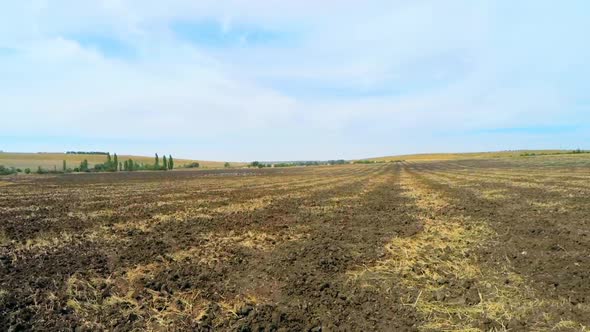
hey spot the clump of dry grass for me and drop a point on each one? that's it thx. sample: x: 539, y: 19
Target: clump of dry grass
x: 251, y: 205
x: 4, y: 239
x: 3, y: 294
x: 568, y: 325
x: 95, y: 298
x: 234, y: 306
x: 214, y: 247
x: 547, y: 205
x: 494, y: 194
x: 47, y: 240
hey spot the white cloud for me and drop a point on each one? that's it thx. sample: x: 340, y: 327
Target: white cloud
x: 421, y: 66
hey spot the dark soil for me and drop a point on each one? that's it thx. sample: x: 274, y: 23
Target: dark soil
x: 271, y: 249
x: 301, y: 283
x: 549, y: 244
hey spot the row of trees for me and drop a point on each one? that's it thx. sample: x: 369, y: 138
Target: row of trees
x: 532, y: 154
x: 87, y: 152
x: 112, y: 164
x: 167, y: 164
x: 364, y: 161
x: 13, y: 170
x: 296, y: 163
x: 8, y: 170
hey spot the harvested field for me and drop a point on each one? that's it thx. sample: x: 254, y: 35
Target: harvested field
x: 470, y: 245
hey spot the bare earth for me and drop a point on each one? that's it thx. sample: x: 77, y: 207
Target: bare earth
x: 470, y: 245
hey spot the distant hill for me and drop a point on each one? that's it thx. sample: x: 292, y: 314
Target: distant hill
x: 468, y: 155
x: 51, y: 160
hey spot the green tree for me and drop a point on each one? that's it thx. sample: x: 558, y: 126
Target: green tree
x: 27, y: 170
x: 164, y: 163
x: 226, y: 165
x: 7, y: 171
x: 39, y: 170
x: 126, y: 165
x: 115, y: 163
x: 64, y: 166
x: 84, y: 166
x: 170, y: 162
x: 120, y: 166
x: 157, y: 161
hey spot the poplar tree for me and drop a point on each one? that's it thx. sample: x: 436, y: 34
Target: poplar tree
x: 157, y: 161
x: 64, y: 166
x: 115, y: 163
x: 84, y: 166
x: 170, y: 162
x: 164, y: 163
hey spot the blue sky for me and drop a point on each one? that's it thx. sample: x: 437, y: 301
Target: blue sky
x: 293, y: 80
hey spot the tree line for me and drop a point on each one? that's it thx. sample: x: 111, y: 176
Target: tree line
x: 296, y: 163
x: 87, y: 152
x: 113, y: 164
x: 533, y: 154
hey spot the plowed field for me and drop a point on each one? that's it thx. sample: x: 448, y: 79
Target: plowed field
x: 484, y: 245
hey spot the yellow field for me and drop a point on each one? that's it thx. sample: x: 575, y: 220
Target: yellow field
x: 51, y: 160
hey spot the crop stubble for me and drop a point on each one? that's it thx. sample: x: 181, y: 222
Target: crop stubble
x: 455, y: 245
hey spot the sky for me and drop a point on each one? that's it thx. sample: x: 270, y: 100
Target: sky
x: 293, y: 80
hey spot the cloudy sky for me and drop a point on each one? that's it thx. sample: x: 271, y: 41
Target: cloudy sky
x: 285, y: 80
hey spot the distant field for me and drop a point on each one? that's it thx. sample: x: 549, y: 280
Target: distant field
x: 51, y: 160
x: 469, y: 155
